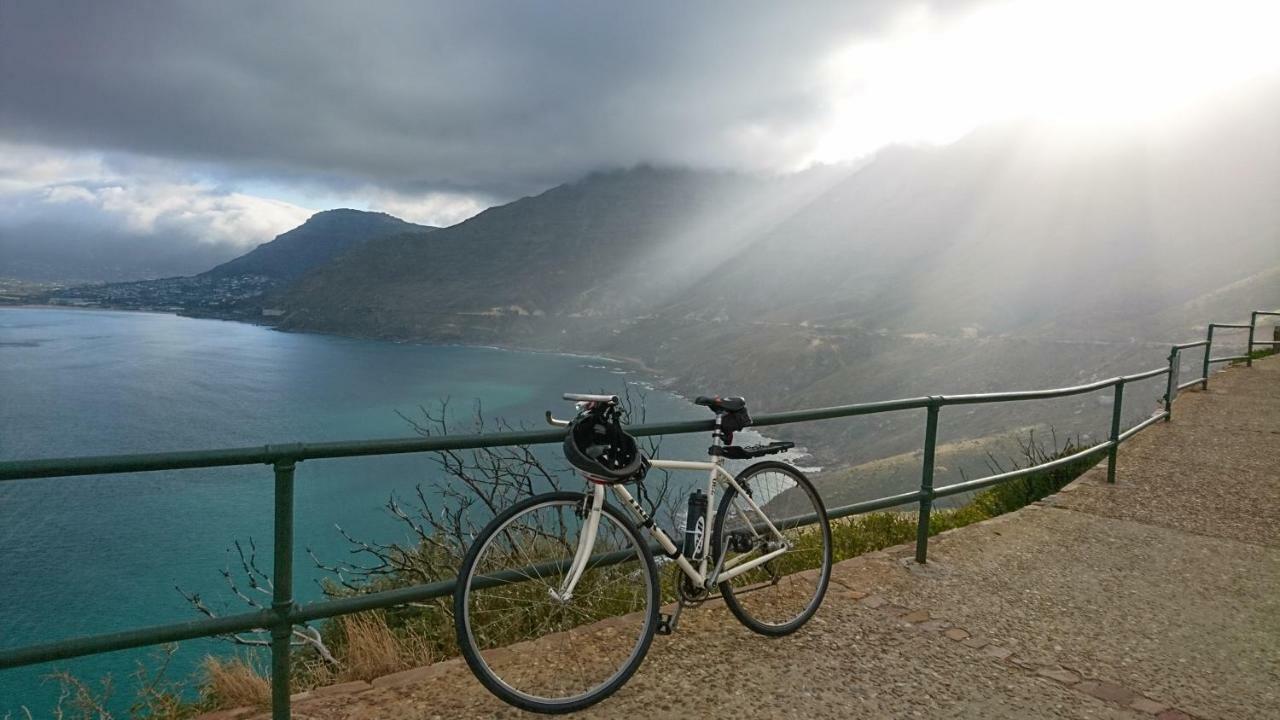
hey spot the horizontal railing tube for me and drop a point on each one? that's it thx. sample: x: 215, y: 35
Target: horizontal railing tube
x: 418, y: 593
x: 1142, y: 425
x: 1189, y: 383
x: 112, y: 464
x: 840, y: 411
x: 140, y: 637
x: 262, y: 620
x: 1185, y: 346
x: 270, y: 454
x: 861, y: 508
x: 979, y: 483
x: 979, y: 398
x: 1157, y: 372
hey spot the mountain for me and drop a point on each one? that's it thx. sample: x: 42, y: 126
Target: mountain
x: 1023, y: 255
x: 576, y: 258
x: 1020, y: 229
x: 321, y: 238
x: 237, y: 288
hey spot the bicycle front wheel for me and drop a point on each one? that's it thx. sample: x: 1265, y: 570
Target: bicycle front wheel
x: 777, y: 596
x: 529, y: 647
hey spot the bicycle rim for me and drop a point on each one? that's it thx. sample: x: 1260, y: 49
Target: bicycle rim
x: 779, y: 596
x: 533, y: 650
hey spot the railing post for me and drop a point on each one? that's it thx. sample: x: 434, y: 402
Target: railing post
x: 1208, y: 349
x: 1171, y: 390
x: 1248, y: 354
x: 282, y: 590
x: 1117, y: 410
x: 926, y: 481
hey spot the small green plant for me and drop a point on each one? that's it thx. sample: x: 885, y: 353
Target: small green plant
x: 1259, y: 354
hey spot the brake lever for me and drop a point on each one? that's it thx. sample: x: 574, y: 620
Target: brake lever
x: 554, y: 421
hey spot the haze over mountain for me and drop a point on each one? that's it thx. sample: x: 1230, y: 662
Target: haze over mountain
x: 72, y: 253
x: 1018, y: 228
x: 1024, y: 253
x: 1021, y: 254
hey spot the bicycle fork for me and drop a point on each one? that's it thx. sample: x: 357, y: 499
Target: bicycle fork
x: 586, y: 542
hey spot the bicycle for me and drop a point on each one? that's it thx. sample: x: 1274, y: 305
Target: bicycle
x: 558, y: 598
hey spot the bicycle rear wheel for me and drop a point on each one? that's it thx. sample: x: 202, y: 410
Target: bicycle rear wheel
x: 777, y: 597
x: 533, y: 650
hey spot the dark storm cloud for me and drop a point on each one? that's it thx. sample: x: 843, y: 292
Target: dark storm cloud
x: 489, y: 98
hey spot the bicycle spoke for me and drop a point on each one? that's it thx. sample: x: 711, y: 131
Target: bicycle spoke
x: 557, y: 670
x: 774, y: 597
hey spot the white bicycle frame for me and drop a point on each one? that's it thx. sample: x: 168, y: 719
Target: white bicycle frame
x: 698, y: 575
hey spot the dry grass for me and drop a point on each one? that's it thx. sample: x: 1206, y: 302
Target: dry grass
x: 234, y: 682
x: 371, y: 649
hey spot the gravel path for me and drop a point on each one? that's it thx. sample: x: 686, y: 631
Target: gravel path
x: 1154, y: 597
x: 1212, y: 471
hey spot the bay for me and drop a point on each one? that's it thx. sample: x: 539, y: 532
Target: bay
x: 105, y: 553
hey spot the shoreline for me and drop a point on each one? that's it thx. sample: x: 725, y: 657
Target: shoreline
x: 581, y: 354
x: 655, y: 380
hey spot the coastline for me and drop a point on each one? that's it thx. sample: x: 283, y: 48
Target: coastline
x: 655, y: 380
x: 636, y: 363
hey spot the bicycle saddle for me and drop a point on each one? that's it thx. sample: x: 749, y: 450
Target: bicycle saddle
x: 721, y: 404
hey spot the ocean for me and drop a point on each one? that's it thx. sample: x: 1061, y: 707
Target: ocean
x: 106, y: 553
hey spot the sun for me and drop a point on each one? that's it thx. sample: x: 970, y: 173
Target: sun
x: 1101, y: 65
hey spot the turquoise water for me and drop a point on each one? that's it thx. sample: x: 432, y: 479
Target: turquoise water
x: 104, y: 553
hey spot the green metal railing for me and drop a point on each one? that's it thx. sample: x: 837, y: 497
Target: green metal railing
x: 285, y: 613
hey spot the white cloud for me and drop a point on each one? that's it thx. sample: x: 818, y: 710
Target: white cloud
x: 1108, y: 64
x: 438, y: 209
x: 197, y: 210
x: 32, y: 167
x: 38, y: 183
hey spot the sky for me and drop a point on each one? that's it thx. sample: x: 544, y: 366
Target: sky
x: 229, y: 122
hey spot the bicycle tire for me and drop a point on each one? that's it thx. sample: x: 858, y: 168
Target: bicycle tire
x: 747, y: 611
x: 467, y: 595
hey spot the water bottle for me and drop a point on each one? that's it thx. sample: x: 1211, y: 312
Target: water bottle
x: 695, y: 525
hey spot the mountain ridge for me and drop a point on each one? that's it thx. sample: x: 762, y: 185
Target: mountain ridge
x: 319, y: 239
x: 236, y: 289
x: 1008, y: 258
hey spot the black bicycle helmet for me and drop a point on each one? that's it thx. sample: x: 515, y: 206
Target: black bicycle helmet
x: 597, y: 445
